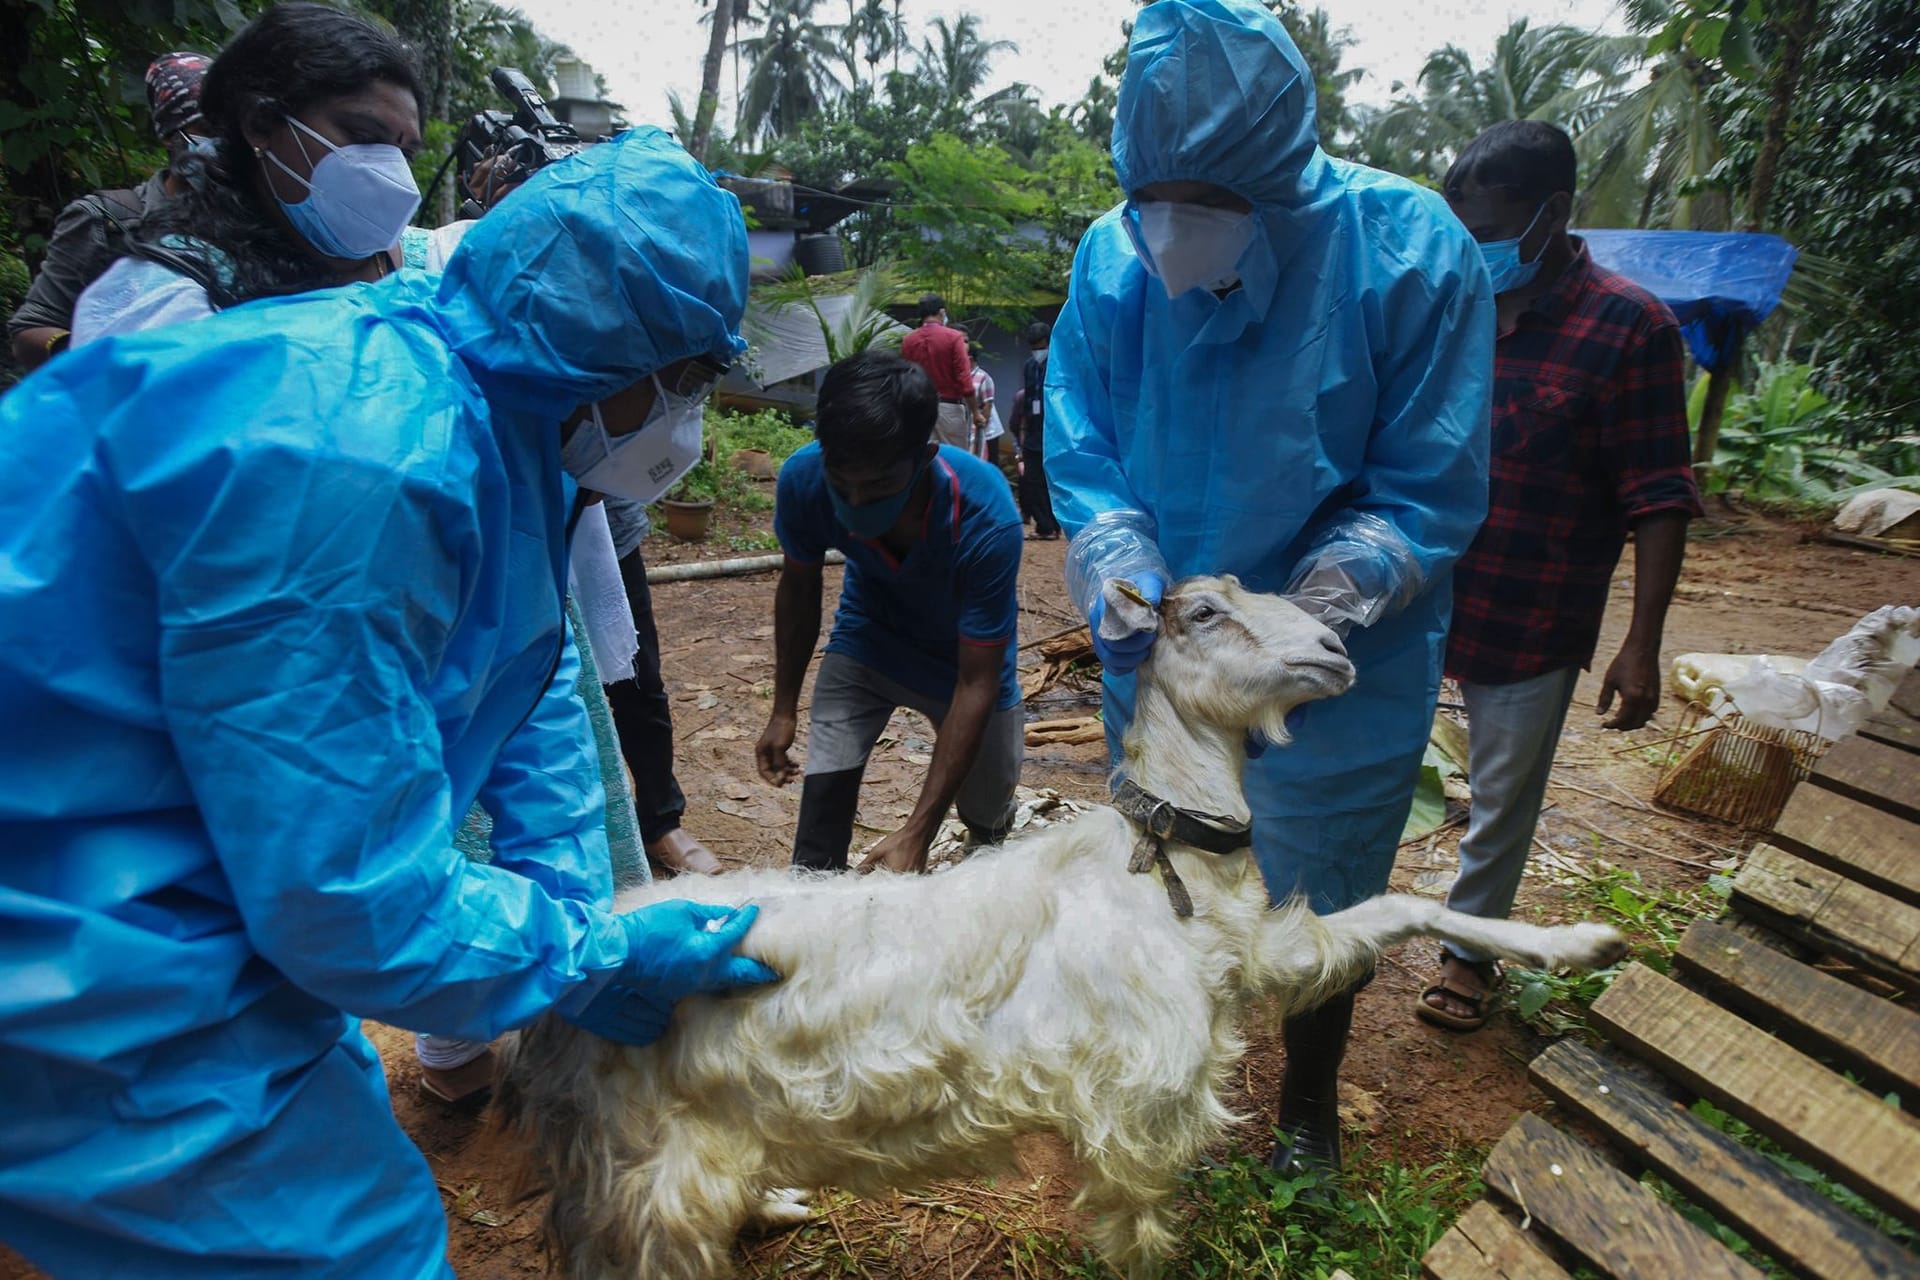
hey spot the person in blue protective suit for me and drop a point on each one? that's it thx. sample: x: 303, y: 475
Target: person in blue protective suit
x: 280, y: 598
x: 1275, y: 364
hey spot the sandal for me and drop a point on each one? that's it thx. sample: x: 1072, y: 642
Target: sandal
x: 467, y: 1087
x: 1482, y: 1002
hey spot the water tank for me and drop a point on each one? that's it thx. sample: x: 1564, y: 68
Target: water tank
x: 573, y: 78
x: 820, y: 255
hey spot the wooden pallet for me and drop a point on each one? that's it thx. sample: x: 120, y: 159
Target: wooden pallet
x: 1754, y: 1021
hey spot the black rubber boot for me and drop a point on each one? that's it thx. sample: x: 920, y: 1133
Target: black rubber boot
x: 1309, y: 1122
x: 828, y: 802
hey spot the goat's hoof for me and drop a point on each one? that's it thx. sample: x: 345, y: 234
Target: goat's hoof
x: 1593, y: 946
x: 783, y: 1207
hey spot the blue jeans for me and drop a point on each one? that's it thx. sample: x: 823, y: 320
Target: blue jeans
x: 1512, y: 730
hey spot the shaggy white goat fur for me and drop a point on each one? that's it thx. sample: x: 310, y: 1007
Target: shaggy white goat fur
x: 925, y: 1022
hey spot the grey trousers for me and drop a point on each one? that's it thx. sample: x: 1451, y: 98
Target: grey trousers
x: 852, y: 703
x: 954, y: 426
x: 1512, y: 730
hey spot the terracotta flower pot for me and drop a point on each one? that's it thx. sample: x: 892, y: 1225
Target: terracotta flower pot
x: 688, y: 521
x: 757, y: 463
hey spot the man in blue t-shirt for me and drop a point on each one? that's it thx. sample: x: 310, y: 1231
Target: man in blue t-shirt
x: 927, y: 617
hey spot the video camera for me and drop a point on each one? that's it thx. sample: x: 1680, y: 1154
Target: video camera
x: 530, y: 137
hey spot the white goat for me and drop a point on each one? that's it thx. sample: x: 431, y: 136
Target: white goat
x: 925, y: 1022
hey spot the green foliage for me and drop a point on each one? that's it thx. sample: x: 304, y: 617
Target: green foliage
x: 1652, y: 920
x: 73, y: 108
x: 715, y: 479
x: 702, y: 483
x: 768, y: 430
x: 793, y: 68
x: 1248, y: 1221
x: 863, y: 324
x: 1848, y: 192
x: 963, y: 205
x: 1786, y: 441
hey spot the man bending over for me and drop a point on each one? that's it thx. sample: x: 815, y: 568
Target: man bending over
x: 927, y: 615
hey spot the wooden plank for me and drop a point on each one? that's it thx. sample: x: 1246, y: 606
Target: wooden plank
x: 1895, y: 728
x: 1571, y: 1194
x: 1832, y: 912
x: 1833, y: 1124
x: 1807, y: 1233
x: 1873, y: 1037
x: 1874, y: 774
x: 1907, y: 697
x: 1482, y: 1245
x: 1899, y: 724
x: 1880, y: 850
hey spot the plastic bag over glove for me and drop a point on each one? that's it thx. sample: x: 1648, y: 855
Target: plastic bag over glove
x: 675, y: 949
x: 1356, y: 571
x: 1116, y: 546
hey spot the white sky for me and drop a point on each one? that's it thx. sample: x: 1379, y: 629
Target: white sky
x: 645, y: 48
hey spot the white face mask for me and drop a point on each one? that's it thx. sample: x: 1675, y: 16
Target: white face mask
x: 642, y: 464
x: 359, y: 197
x: 1189, y: 246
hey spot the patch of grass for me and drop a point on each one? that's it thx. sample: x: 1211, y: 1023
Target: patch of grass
x: 1653, y: 921
x: 1248, y: 1221
x: 753, y: 542
x: 769, y: 429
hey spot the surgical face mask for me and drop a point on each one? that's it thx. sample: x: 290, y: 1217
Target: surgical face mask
x: 198, y: 144
x: 871, y: 519
x: 1503, y: 259
x: 359, y: 197
x: 641, y: 464
x: 1189, y: 246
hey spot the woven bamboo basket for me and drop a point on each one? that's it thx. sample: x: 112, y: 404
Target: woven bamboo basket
x: 1733, y: 769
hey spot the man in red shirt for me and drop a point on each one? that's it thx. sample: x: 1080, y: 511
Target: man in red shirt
x: 1589, y: 441
x: 942, y: 351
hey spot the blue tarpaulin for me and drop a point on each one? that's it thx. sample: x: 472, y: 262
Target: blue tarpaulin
x: 1720, y: 284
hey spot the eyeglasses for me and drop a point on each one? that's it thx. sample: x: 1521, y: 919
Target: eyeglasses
x: 695, y: 379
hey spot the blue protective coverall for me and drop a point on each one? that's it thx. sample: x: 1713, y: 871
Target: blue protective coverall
x: 1347, y: 377
x: 280, y: 597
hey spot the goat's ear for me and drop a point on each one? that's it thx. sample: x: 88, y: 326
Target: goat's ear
x: 1124, y: 614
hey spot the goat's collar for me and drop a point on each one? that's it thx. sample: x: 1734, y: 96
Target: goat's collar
x: 1168, y: 821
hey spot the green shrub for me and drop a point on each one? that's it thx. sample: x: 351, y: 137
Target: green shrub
x: 769, y: 430
x: 1783, y: 440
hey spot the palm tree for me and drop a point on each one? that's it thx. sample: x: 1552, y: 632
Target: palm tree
x: 861, y: 322
x: 723, y: 19
x: 1646, y: 156
x: 493, y: 35
x: 791, y: 69
x: 1013, y: 117
x: 959, y: 63
x: 873, y: 30
x: 1323, y: 46
x: 1557, y: 73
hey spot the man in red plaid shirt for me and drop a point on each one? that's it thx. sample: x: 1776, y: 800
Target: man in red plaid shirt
x: 1589, y: 441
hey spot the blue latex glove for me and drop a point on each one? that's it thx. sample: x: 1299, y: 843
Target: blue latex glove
x: 1122, y: 654
x: 675, y: 949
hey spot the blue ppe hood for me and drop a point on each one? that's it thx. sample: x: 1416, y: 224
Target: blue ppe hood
x: 1720, y: 285
x: 1215, y: 91
x: 644, y: 262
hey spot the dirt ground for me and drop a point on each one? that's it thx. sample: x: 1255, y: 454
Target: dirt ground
x: 1751, y: 584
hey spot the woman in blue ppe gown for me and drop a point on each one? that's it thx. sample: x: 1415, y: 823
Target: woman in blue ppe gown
x: 280, y: 598
x: 1308, y: 411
